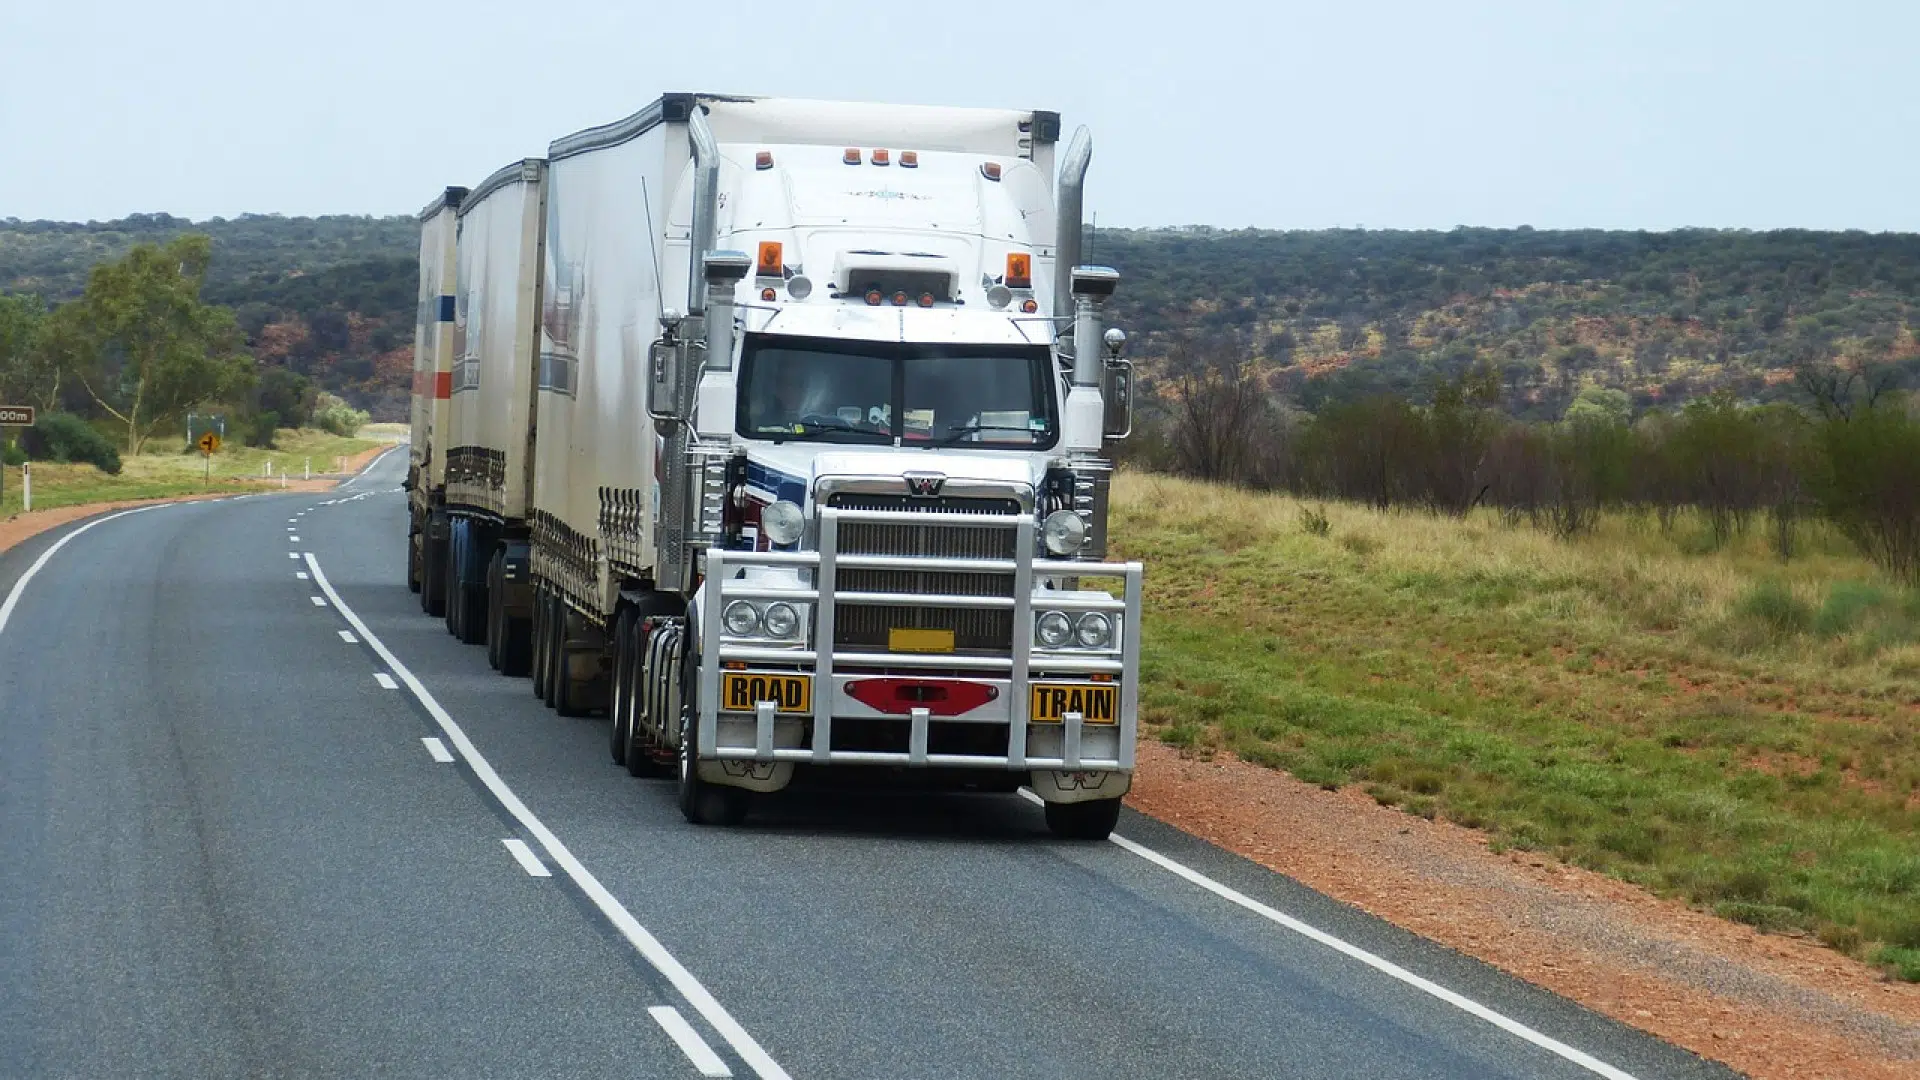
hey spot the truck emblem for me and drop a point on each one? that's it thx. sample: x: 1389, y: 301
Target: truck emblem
x: 924, y: 485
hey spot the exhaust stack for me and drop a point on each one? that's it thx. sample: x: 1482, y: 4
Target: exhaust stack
x: 1068, y: 217
x: 706, y: 198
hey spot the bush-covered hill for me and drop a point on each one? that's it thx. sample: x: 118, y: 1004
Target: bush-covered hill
x: 331, y: 298
x: 1328, y: 314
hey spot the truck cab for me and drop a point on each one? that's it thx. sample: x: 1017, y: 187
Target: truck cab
x: 905, y: 567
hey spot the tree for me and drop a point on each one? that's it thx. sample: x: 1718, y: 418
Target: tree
x: 28, y: 373
x: 145, y: 346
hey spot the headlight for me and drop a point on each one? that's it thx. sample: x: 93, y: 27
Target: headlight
x: 1094, y: 631
x: 780, y: 620
x: 741, y: 619
x: 782, y: 522
x: 1063, y: 532
x: 1053, y: 629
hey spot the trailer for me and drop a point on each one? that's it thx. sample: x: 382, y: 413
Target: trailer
x: 814, y: 430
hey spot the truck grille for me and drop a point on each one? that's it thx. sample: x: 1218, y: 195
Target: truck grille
x: 865, y: 628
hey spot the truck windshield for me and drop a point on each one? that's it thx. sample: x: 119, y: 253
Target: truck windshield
x: 880, y: 393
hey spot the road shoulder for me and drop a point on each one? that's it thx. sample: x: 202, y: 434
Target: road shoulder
x: 1767, y: 1005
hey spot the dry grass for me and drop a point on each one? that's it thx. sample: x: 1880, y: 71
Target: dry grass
x: 1712, y: 723
x: 170, y: 472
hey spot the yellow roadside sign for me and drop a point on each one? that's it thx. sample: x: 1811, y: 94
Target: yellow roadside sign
x: 209, y: 443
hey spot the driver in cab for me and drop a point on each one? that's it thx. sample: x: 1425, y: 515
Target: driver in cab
x: 798, y: 398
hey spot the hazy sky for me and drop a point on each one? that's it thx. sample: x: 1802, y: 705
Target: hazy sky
x: 1607, y: 113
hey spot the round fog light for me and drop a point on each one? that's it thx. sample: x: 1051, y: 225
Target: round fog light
x: 1095, y: 631
x: 1053, y: 629
x: 780, y: 620
x: 741, y: 619
x: 782, y: 522
x: 1064, y: 532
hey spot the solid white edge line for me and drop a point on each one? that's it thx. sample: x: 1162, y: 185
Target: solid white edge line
x: 436, y: 749
x: 649, y: 947
x: 689, y: 1040
x: 347, y: 636
x: 524, y: 855
x: 1378, y: 963
x: 13, y: 594
x: 385, y: 680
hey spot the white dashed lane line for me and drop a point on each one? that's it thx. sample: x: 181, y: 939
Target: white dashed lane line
x: 385, y: 680
x: 524, y: 855
x: 347, y: 636
x: 437, y: 750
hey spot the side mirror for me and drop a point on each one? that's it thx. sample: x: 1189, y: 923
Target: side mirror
x: 1116, y: 398
x: 663, y: 381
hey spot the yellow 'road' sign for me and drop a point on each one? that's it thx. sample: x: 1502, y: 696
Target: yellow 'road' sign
x: 209, y: 443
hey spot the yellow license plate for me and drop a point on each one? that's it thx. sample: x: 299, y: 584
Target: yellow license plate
x: 744, y: 691
x: 903, y: 639
x: 1097, y: 703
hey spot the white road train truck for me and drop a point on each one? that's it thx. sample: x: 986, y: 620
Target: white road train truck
x: 774, y: 428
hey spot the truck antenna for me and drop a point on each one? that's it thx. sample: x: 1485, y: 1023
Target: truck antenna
x: 659, y: 287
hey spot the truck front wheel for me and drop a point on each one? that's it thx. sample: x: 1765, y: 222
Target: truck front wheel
x: 1091, y: 820
x: 701, y: 802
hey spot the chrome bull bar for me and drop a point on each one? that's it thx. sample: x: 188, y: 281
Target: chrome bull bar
x: 719, y: 588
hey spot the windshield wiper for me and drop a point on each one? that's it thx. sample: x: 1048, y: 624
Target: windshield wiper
x: 810, y: 427
x: 954, y: 435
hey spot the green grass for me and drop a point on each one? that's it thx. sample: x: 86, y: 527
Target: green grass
x: 167, y: 471
x: 1718, y: 727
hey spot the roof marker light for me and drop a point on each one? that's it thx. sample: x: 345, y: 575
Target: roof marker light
x: 991, y: 170
x: 926, y: 299
x: 767, y: 294
x: 771, y: 263
x: 880, y: 157
x: 1019, y: 270
x: 900, y: 298
x: 763, y: 160
x: 1029, y: 305
x: 852, y: 156
x: 874, y: 297
x: 909, y: 159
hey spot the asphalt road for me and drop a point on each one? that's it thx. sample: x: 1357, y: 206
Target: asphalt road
x: 229, y: 849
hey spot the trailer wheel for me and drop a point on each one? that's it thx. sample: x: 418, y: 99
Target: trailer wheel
x: 470, y: 627
x: 413, y: 564
x: 1091, y: 820
x: 496, y: 614
x: 556, y: 648
x: 516, y: 645
x: 540, y: 642
x: 450, y: 567
x: 433, y: 576
x: 701, y: 802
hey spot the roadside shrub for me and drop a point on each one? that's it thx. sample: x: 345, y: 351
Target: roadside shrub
x: 64, y: 437
x: 1847, y: 604
x: 1772, y: 605
x: 335, y: 416
x: 261, y: 428
x: 1870, y: 485
x: 12, y: 456
x: 1314, y: 521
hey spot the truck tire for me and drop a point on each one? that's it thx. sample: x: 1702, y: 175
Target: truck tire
x: 450, y: 566
x: 556, y: 637
x: 570, y: 697
x: 701, y: 802
x: 1091, y: 820
x: 516, y: 647
x: 496, y: 615
x: 619, y: 705
x: 470, y: 627
x: 539, y: 671
x: 413, y: 565
x: 433, y: 576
